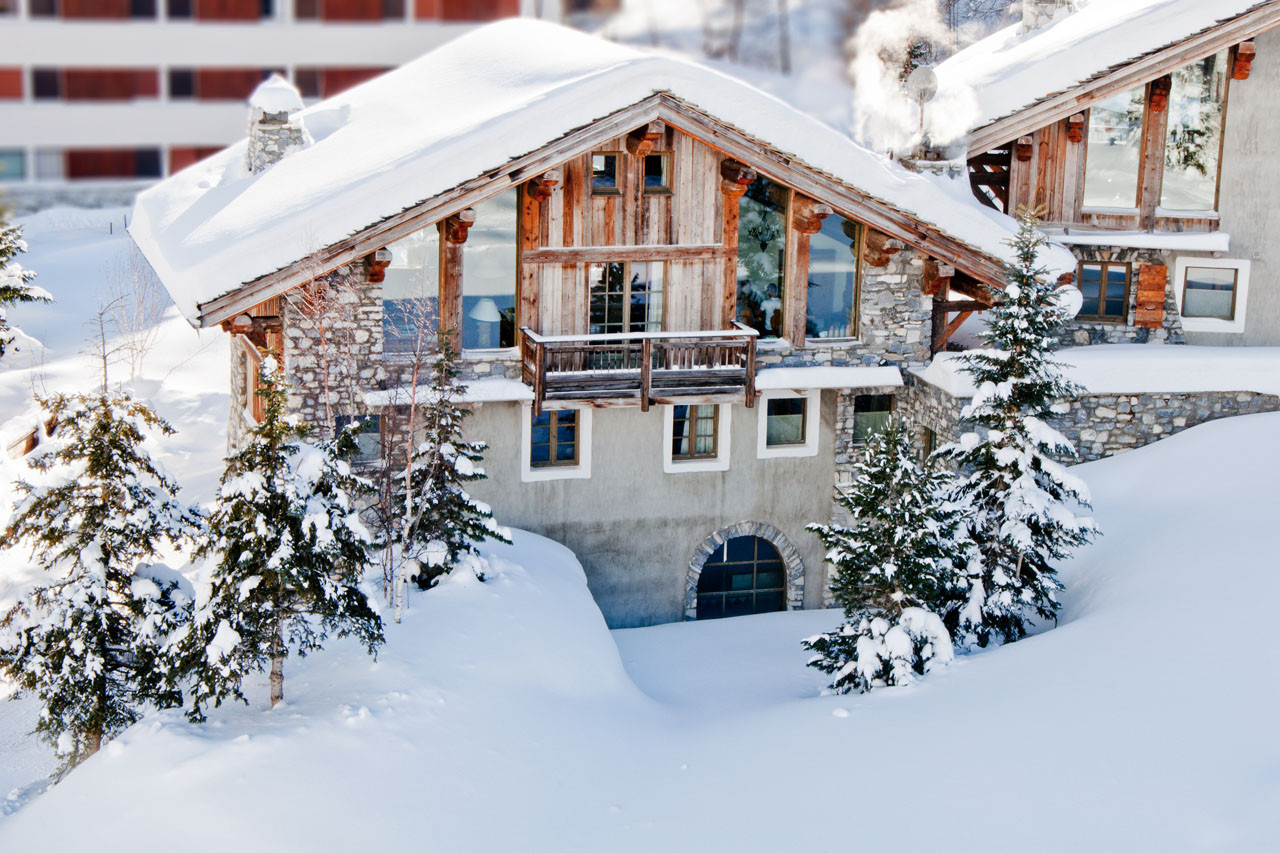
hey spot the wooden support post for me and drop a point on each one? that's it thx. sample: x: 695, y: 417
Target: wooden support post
x: 529, y: 276
x: 736, y: 177
x: 453, y: 234
x: 806, y: 220
x: 646, y: 368
x: 750, y: 386
x: 1153, y: 144
x: 950, y: 330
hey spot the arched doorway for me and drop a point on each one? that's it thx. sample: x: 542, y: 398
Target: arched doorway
x: 745, y: 568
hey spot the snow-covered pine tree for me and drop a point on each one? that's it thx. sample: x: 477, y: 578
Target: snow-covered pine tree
x: 898, y: 567
x: 440, y: 524
x: 87, y: 639
x: 289, y: 555
x: 15, y: 282
x: 1022, y: 501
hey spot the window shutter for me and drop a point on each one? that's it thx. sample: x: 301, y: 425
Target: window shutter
x: 1152, y: 279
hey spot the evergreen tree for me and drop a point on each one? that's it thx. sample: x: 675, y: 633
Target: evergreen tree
x: 15, y: 282
x: 87, y: 640
x: 440, y: 524
x: 289, y: 552
x: 897, y: 568
x: 1022, y: 501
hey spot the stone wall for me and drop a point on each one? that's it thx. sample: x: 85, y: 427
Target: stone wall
x: 1099, y: 425
x: 333, y: 345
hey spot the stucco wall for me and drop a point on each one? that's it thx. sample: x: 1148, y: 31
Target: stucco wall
x: 1249, y: 199
x: 636, y: 528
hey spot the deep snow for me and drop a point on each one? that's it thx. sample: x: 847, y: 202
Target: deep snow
x: 504, y: 716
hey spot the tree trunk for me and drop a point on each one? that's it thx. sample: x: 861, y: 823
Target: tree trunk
x: 277, y: 667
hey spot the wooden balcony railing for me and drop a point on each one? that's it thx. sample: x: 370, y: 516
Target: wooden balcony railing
x: 640, y: 368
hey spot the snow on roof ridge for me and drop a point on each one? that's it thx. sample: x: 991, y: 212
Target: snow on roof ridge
x: 496, y: 93
x: 1010, y: 70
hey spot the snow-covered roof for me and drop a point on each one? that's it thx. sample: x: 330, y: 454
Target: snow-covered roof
x: 1174, y: 241
x: 1009, y: 70
x: 815, y: 378
x: 500, y: 92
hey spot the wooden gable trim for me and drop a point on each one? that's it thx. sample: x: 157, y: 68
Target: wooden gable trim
x: 1141, y: 71
x: 845, y: 200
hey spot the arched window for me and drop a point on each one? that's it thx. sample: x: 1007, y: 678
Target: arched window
x: 745, y: 575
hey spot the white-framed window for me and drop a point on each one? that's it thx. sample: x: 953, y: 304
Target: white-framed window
x: 1212, y: 293
x: 695, y: 437
x: 788, y: 424
x: 555, y: 445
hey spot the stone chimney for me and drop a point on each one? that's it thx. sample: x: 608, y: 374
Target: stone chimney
x: 1041, y: 13
x: 272, y: 131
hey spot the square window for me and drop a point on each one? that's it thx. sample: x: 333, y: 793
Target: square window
x: 50, y: 164
x: 604, y: 174
x: 553, y: 439
x: 142, y: 8
x: 1105, y: 288
x: 306, y: 9
x: 178, y: 9
x: 1209, y: 292
x: 46, y: 83
x: 368, y: 435
x: 182, y: 83
x: 785, y: 421
x: 308, y: 82
x: 871, y: 413
x: 13, y: 164
x: 43, y: 8
x: 657, y: 173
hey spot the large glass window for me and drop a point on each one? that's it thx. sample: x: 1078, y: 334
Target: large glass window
x: 762, y: 242
x: 1105, y: 288
x: 626, y: 297
x: 744, y: 576
x: 1193, y: 141
x: 411, y: 293
x: 489, y: 275
x: 693, y: 432
x: 1210, y: 292
x: 553, y: 439
x: 833, y: 280
x: 1113, y: 159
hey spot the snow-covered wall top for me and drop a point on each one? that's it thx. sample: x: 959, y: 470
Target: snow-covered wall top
x: 1009, y: 70
x: 500, y: 92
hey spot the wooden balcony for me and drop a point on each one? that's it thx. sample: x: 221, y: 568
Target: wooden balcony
x: 640, y: 368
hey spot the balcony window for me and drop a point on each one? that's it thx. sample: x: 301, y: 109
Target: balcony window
x: 411, y: 293
x: 626, y: 297
x: 1113, y: 158
x: 1193, y: 139
x: 657, y: 173
x: 833, y: 280
x: 762, y: 242
x: 605, y: 177
x: 489, y: 275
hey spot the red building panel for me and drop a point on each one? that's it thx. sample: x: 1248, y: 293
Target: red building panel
x: 10, y: 84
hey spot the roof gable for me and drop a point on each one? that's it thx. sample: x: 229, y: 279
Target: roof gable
x: 1013, y: 83
x: 476, y: 116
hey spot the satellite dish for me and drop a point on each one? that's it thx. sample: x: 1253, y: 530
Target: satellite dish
x: 922, y: 84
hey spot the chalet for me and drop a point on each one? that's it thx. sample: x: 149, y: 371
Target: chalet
x: 1143, y: 130
x: 681, y: 303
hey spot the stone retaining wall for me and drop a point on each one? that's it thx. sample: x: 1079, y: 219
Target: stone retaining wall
x: 1099, y: 425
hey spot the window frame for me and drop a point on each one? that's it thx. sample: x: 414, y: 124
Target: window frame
x: 1102, y: 287
x: 626, y: 304
x: 1143, y: 141
x: 340, y: 422
x: 580, y: 470
x: 672, y: 464
x: 812, y: 418
x: 1174, y: 212
x: 616, y: 189
x: 553, y: 442
x: 1240, y: 296
x: 855, y: 311
x: 665, y: 189
x: 853, y: 433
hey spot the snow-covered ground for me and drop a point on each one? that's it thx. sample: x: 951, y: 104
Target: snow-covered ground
x: 505, y: 716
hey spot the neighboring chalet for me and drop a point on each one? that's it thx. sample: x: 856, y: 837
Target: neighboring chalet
x: 681, y: 303
x: 1145, y: 131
